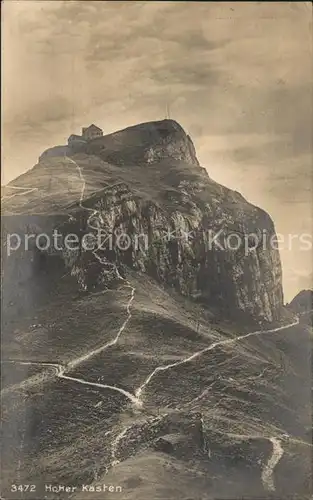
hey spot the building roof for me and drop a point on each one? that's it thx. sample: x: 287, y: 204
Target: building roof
x: 92, y: 127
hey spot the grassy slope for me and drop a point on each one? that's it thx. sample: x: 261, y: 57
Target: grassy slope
x: 257, y: 387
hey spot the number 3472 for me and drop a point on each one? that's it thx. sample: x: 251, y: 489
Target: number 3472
x: 23, y: 487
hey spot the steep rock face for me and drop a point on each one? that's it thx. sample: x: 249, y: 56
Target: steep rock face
x: 178, y: 248
x: 161, y: 214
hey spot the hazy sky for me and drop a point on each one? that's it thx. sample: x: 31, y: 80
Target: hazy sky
x: 237, y: 76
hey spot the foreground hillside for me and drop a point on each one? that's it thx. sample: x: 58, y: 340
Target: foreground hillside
x: 167, y: 370
x: 207, y: 421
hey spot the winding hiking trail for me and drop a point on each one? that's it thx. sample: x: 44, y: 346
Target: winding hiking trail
x: 211, y: 347
x: 62, y: 371
x: 24, y: 189
x: 268, y: 470
x: 115, y: 445
x: 98, y: 350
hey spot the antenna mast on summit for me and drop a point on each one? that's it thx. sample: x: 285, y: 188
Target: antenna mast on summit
x: 167, y: 110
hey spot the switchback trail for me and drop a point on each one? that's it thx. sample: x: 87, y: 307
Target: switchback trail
x: 268, y: 470
x: 60, y: 373
x: 163, y: 368
x: 98, y: 350
x: 135, y: 398
x: 60, y: 370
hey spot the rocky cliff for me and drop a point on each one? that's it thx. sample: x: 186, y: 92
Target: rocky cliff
x: 157, y: 211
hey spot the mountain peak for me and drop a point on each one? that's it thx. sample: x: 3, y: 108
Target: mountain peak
x: 149, y: 142
x: 142, y: 144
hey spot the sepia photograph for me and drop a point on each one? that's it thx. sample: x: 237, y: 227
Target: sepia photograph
x: 156, y: 250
